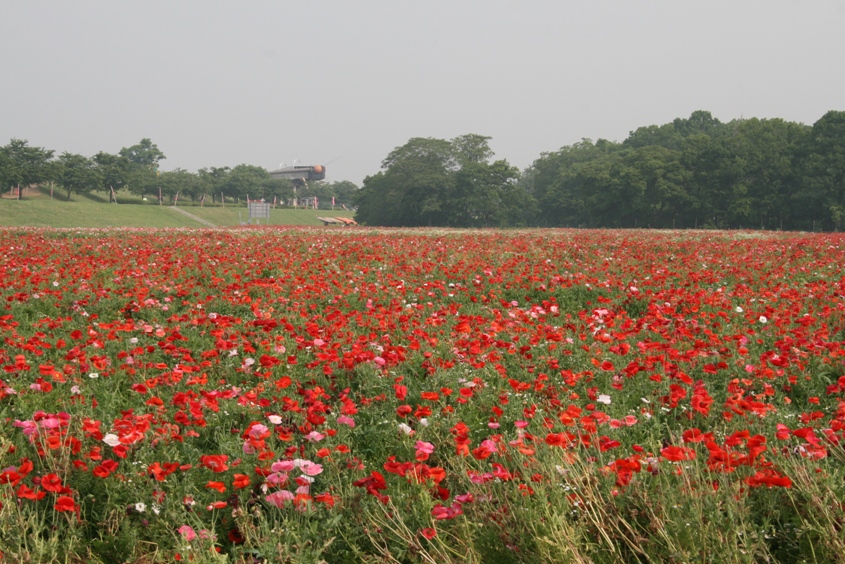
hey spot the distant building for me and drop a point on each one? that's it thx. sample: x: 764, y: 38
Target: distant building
x: 300, y: 172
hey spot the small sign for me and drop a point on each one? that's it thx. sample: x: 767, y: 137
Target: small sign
x: 259, y: 210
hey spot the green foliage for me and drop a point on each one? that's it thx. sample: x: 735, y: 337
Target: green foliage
x: 245, y: 181
x: 212, y: 180
x: 145, y: 154
x: 342, y: 191
x: 178, y: 182
x: 694, y: 172
x: 699, y: 172
x: 560, y: 181
x: 114, y: 171
x: 22, y: 165
x: 824, y: 170
x: 443, y: 183
x: 77, y: 174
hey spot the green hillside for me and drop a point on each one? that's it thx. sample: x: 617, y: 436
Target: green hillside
x: 91, y: 210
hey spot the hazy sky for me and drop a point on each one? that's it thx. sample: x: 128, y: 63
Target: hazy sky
x: 344, y: 82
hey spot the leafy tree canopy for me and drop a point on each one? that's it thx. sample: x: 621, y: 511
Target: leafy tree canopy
x: 438, y: 182
x: 77, y: 174
x: 22, y: 165
x: 145, y: 154
x: 699, y: 172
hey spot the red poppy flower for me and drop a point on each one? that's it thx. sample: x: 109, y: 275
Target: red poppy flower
x: 677, y: 454
x: 9, y: 477
x: 25, y: 492
x: 241, y: 481
x: 325, y: 498
x: 51, y: 483
x: 65, y: 503
x: 215, y: 462
x: 219, y: 486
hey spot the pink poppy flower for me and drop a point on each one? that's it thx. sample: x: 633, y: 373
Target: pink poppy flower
x: 279, y: 498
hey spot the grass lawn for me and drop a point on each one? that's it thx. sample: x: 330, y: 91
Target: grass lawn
x: 234, y: 215
x: 37, y: 209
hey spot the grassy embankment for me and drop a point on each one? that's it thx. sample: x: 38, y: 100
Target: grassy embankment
x: 37, y: 209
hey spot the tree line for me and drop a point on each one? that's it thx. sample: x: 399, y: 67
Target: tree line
x: 136, y: 169
x: 690, y: 173
x: 693, y: 172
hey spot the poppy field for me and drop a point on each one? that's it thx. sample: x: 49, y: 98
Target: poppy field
x: 307, y: 395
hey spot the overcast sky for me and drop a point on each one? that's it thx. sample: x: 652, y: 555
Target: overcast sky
x: 342, y: 83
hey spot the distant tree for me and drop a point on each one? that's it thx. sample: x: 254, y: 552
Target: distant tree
x: 471, y: 149
x: 7, y: 170
x: 115, y: 171
x: 177, y: 182
x: 820, y: 198
x: 143, y: 181
x: 485, y: 195
x: 246, y: 181
x: 671, y: 135
x: 768, y: 168
x: 557, y: 186
x: 279, y: 188
x: 213, y: 180
x: 597, y: 187
x: 24, y: 165
x: 655, y: 187
x: 411, y: 190
x: 341, y: 191
x: 145, y: 154
x: 77, y: 174
x: 661, y: 135
x: 700, y: 121
x: 439, y: 182
x: 344, y: 192
x: 379, y: 201
x: 144, y: 158
x: 715, y: 183
x: 322, y: 190
x: 693, y: 171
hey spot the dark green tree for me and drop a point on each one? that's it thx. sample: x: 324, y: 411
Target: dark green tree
x: 343, y: 192
x: 77, y: 174
x: 558, y: 188
x: 379, y: 201
x: 822, y: 193
x: 145, y: 154
x: 24, y: 165
x: 699, y: 122
x: 279, y: 189
x: 177, y: 183
x: 660, y: 135
x: 471, y: 149
x: 7, y: 171
x: 246, y: 181
x: 213, y: 180
x: 485, y: 195
x: 115, y: 171
x: 671, y: 135
x: 655, y: 187
x: 414, y: 182
x: 445, y: 183
x: 144, y: 157
x: 768, y: 173
x: 144, y: 181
